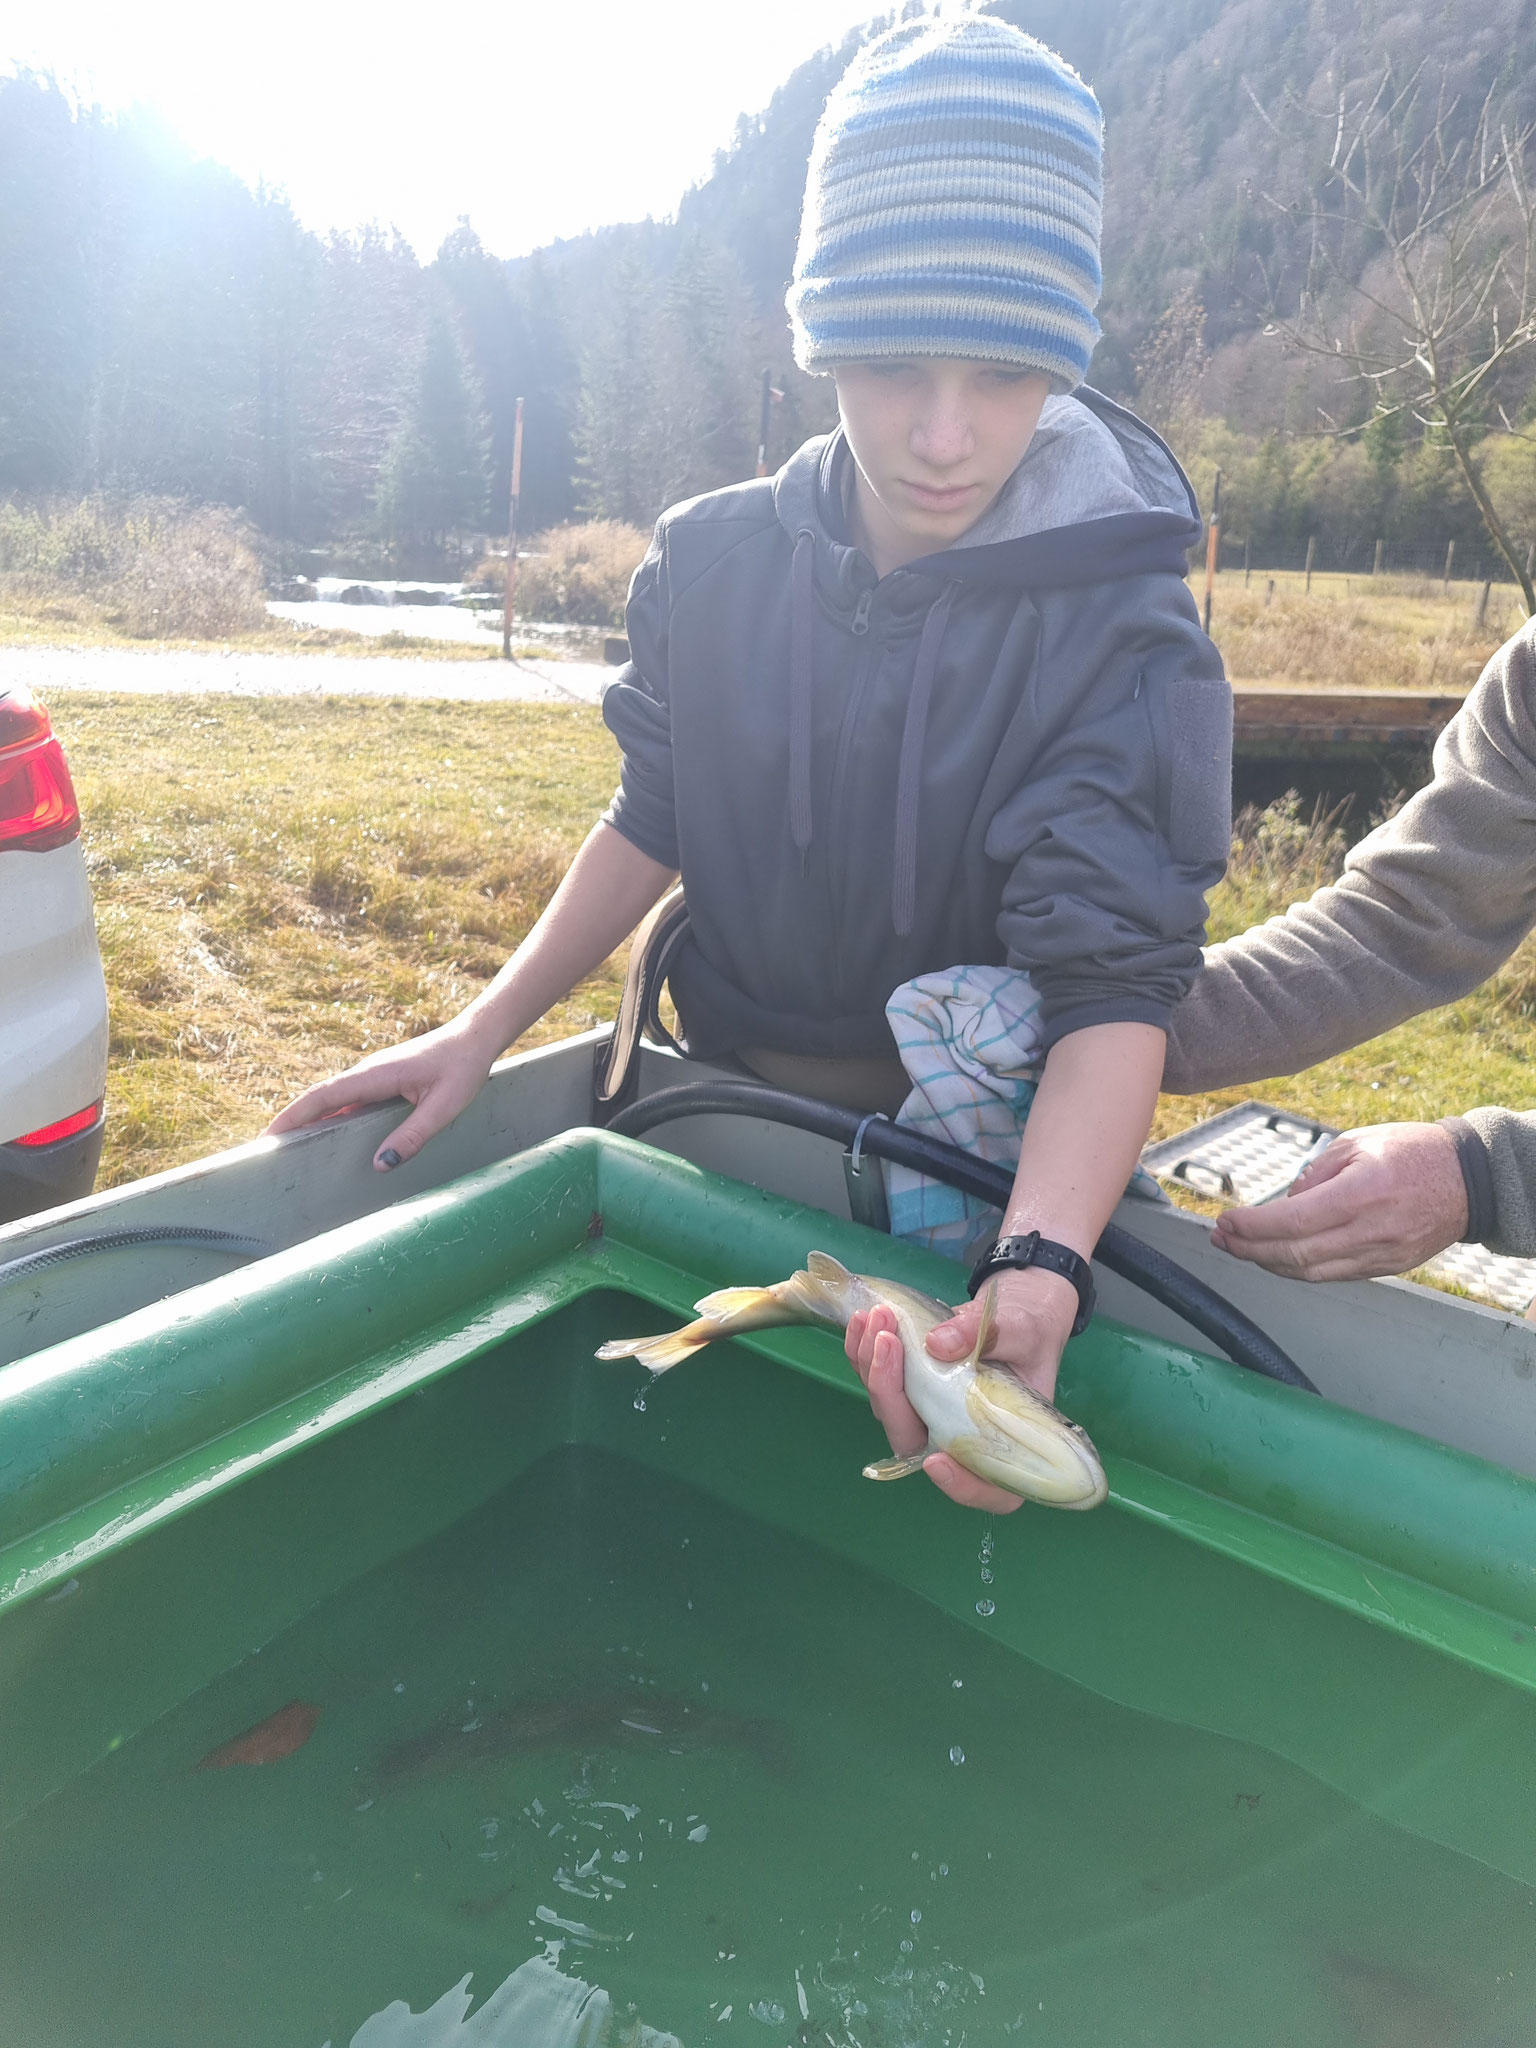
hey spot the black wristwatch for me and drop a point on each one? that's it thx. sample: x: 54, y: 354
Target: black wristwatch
x: 1035, y: 1250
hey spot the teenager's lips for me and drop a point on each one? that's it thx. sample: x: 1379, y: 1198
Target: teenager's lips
x: 948, y: 499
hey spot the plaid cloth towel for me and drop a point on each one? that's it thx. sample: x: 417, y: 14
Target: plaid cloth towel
x: 970, y: 1040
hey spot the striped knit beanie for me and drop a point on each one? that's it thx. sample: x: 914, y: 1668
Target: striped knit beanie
x: 952, y: 206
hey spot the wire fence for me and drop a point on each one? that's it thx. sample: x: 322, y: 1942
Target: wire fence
x: 1445, y: 563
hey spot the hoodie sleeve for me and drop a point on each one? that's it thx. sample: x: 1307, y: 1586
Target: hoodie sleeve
x: 1124, y: 826
x: 638, y: 712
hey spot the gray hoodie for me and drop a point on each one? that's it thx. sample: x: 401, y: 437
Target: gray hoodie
x: 1014, y: 750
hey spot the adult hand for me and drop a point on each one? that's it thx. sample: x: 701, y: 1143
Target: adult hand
x: 1381, y: 1200
x: 439, y: 1073
x: 1035, y: 1311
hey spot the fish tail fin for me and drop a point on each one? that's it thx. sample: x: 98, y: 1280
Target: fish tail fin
x: 661, y: 1353
x: 724, y: 1314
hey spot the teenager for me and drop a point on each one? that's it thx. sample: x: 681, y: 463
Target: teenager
x: 935, y: 694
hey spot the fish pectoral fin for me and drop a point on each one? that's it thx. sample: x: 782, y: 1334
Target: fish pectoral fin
x: 987, y: 1331
x: 897, y: 1468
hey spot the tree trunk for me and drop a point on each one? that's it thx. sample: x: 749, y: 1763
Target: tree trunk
x: 1497, y: 532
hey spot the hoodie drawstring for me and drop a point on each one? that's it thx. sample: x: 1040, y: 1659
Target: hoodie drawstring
x: 802, y: 598
x: 909, y: 775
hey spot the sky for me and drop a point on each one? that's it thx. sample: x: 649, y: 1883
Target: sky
x: 536, y: 118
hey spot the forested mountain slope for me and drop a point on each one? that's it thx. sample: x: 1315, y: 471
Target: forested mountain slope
x: 162, y: 327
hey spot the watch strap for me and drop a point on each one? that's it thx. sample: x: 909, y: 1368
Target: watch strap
x: 1010, y: 1254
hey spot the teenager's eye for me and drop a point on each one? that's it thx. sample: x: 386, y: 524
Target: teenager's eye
x: 1000, y: 373
x: 886, y: 366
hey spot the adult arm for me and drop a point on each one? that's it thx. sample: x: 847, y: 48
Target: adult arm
x: 604, y: 894
x: 1428, y: 906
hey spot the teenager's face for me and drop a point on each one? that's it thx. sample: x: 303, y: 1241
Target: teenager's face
x: 934, y: 441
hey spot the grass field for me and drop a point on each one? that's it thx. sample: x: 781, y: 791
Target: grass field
x: 284, y: 885
x: 1357, y: 632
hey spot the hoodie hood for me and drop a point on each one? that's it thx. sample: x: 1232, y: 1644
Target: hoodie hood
x: 1097, y: 496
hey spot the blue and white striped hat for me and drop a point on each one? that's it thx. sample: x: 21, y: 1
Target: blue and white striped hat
x: 953, y: 205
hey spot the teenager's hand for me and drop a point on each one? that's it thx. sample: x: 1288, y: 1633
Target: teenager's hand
x: 1035, y: 1312
x: 1380, y: 1200
x: 439, y: 1074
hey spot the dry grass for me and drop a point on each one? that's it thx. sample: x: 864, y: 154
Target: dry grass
x: 576, y: 575
x: 152, y: 568
x: 1358, y: 632
x: 282, y: 886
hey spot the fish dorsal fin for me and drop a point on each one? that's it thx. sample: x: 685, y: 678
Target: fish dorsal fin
x: 822, y: 1266
x: 987, y: 1330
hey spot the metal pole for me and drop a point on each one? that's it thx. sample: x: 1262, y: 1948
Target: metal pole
x: 1247, y: 565
x: 1450, y: 556
x: 512, y: 497
x: 1311, y: 551
x: 771, y: 397
x: 1376, y: 565
x: 1212, y: 547
x: 1482, y: 603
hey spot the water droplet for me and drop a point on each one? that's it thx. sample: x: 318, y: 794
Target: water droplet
x: 401, y: 1686
x: 906, y: 1948
x: 769, y: 2011
x: 957, y: 1755
x: 986, y: 1576
x: 700, y: 1833
x: 943, y: 1870
x: 916, y: 1915
x: 639, y: 1404
x: 957, y: 1683
x: 986, y: 1607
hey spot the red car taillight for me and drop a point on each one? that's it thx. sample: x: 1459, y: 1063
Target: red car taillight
x: 66, y: 1127
x: 37, y: 799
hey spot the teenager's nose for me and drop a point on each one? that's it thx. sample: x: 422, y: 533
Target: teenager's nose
x: 941, y: 435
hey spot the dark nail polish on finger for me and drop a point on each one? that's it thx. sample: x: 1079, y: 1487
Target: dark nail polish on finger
x: 389, y: 1159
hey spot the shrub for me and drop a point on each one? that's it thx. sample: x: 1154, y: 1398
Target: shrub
x: 158, y: 568
x: 1278, y: 858
x: 572, y: 575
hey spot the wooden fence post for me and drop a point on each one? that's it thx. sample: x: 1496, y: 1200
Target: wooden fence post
x: 1450, y: 556
x: 1269, y: 595
x: 1311, y: 551
x: 1376, y: 565
x: 1247, y: 571
x: 1482, y: 603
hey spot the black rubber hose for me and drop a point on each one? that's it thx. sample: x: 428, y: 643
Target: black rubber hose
x: 224, y: 1241
x: 1202, y: 1307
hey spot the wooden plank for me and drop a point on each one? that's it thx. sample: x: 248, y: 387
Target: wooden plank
x: 1276, y: 714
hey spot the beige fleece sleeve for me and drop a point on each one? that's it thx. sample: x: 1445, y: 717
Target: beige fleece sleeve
x: 1509, y: 1139
x: 1427, y: 907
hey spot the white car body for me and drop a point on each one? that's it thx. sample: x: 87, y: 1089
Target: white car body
x: 53, y: 998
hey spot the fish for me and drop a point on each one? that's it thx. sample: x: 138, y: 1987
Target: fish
x: 984, y: 1417
x: 278, y: 1736
x: 601, y: 1719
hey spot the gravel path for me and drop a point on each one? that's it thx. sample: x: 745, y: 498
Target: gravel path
x: 159, y: 671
